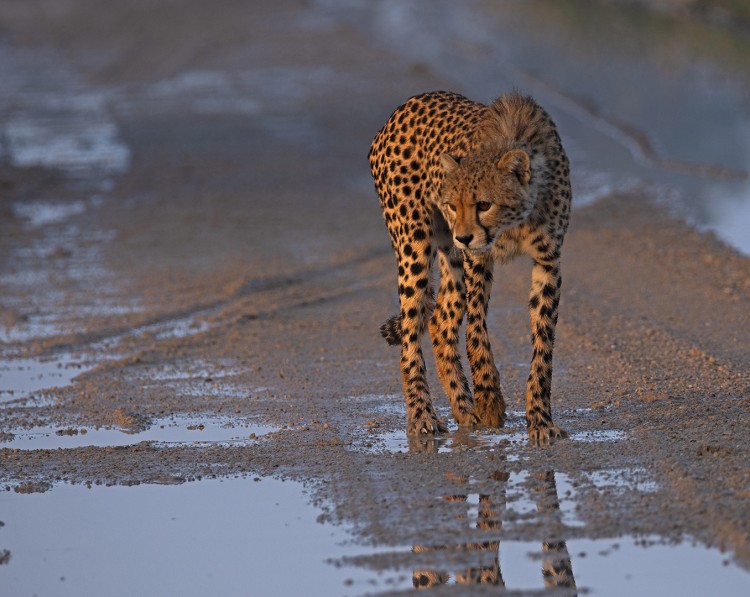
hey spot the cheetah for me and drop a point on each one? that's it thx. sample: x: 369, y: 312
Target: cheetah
x: 471, y: 184
x: 557, y: 569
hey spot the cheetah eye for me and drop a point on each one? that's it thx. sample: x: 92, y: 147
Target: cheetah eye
x: 483, y: 205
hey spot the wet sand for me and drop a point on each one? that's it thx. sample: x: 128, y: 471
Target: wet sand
x: 235, y: 265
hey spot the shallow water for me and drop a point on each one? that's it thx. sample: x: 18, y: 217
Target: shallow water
x: 168, y: 431
x: 478, y: 440
x: 21, y: 377
x: 230, y: 537
x: 625, y: 565
x: 53, y: 120
x: 260, y: 537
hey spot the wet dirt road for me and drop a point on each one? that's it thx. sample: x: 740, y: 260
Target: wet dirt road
x: 193, y: 270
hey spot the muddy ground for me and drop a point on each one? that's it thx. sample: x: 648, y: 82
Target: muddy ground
x: 232, y: 261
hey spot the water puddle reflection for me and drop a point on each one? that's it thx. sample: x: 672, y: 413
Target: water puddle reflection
x: 21, y: 377
x: 479, y: 440
x: 623, y: 479
x: 168, y: 431
x: 230, y: 537
x: 599, y: 435
x: 487, y: 517
x: 398, y: 441
x: 540, y: 502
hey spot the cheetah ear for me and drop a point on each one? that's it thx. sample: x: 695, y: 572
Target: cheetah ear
x: 449, y: 163
x: 517, y: 162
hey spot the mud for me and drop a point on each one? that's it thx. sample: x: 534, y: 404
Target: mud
x: 227, y: 262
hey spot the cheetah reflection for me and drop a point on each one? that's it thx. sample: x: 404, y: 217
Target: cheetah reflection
x: 556, y: 568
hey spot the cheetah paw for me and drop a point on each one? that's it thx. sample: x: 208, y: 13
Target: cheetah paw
x: 468, y: 418
x: 542, y: 436
x: 491, y: 412
x: 428, y: 423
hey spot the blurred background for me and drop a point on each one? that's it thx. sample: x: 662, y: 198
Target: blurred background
x: 650, y: 95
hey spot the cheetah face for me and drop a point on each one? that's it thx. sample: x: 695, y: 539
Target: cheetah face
x: 484, y: 195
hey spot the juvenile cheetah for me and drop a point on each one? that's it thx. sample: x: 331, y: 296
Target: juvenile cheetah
x: 471, y: 184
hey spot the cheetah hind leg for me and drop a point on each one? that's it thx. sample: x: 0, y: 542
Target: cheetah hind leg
x: 541, y: 436
x: 490, y: 407
x: 422, y: 419
x: 425, y: 422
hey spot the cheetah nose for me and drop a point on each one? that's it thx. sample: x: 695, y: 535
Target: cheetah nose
x: 464, y: 240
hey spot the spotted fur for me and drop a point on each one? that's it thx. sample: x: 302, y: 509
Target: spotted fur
x: 468, y: 184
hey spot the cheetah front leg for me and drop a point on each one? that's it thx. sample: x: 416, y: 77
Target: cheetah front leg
x: 488, y: 398
x: 415, y: 258
x: 444, y: 325
x: 543, y: 302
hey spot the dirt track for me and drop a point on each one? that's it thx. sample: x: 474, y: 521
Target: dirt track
x: 245, y: 218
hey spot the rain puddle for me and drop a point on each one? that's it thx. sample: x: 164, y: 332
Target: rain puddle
x: 168, y: 431
x: 213, y: 537
x: 480, y: 439
x: 52, y: 119
x: 623, y: 566
x: 398, y: 441
x: 176, y: 328
x: 599, y: 435
x: 633, y: 478
x: 19, y: 378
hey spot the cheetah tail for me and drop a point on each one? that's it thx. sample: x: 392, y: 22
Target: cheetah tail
x: 391, y: 330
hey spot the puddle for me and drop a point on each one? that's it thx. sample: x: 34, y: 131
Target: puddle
x: 482, y: 440
x: 52, y: 120
x: 269, y: 96
x: 171, y: 329
x: 49, y: 118
x: 567, y: 495
x: 32, y: 326
x: 635, y: 478
x: 43, y: 213
x: 621, y: 566
x: 624, y: 566
x: 169, y: 431
x: 599, y: 435
x: 19, y: 378
x: 398, y: 441
x: 230, y: 537
x: 76, y: 141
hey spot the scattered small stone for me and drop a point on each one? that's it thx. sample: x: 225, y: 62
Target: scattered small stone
x: 501, y: 476
x: 33, y: 487
x: 68, y: 431
x: 711, y: 450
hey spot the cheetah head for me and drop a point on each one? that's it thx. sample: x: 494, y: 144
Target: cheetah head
x: 485, y: 194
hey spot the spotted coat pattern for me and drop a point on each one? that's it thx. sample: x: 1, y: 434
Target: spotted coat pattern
x: 469, y: 184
